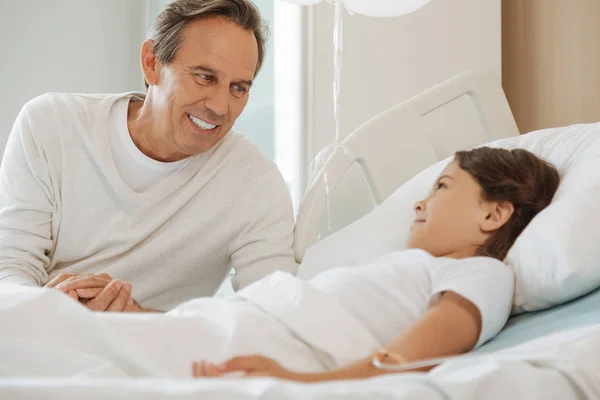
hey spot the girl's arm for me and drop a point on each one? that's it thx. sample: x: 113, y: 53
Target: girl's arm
x: 452, y: 326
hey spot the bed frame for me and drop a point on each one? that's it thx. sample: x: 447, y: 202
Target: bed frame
x: 467, y: 110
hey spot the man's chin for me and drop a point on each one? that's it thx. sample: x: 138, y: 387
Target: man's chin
x: 199, y: 147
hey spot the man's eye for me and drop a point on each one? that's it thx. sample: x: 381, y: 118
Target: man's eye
x: 240, y: 89
x: 205, y: 77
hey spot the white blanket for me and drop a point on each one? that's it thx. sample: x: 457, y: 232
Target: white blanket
x: 567, y: 369
x: 44, y: 333
x: 51, y: 347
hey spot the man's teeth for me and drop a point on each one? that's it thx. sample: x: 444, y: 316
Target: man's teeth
x: 201, y: 124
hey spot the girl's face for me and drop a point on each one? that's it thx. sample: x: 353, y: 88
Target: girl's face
x: 454, y: 220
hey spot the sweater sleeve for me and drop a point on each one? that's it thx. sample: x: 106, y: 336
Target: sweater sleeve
x: 265, y: 239
x: 26, y: 207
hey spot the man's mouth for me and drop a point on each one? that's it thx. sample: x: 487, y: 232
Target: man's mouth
x: 204, y: 125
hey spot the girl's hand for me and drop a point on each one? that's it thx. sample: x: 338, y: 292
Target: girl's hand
x: 248, y: 366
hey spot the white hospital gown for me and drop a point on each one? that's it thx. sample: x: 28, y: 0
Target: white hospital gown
x: 391, y: 293
x: 348, y: 313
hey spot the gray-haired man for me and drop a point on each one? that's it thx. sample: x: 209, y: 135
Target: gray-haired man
x: 149, y: 199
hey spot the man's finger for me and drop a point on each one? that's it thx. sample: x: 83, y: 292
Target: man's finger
x: 73, y: 294
x: 103, y: 300
x: 88, y: 293
x: 127, y: 286
x: 59, y: 279
x: 119, y: 303
x: 84, y: 282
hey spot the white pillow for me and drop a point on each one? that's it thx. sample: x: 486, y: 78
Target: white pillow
x: 556, y: 258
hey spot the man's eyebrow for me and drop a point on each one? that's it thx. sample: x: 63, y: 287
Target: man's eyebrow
x: 214, y: 72
x: 245, y: 82
x: 203, y: 68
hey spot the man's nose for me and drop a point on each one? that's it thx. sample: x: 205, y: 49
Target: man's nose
x: 218, y: 100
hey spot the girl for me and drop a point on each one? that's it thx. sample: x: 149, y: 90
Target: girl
x: 451, y: 292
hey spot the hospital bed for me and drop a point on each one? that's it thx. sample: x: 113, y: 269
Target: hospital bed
x: 385, y: 152
x: 549, y: 354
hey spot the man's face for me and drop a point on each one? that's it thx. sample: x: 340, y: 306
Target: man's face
x: 197, y: 98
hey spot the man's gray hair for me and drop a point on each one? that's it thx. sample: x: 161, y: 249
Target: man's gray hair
x: 167, y: 30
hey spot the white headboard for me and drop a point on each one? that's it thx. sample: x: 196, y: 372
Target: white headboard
x: 467, y: 110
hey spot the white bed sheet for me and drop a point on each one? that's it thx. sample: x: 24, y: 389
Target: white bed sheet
x: 563, y: 366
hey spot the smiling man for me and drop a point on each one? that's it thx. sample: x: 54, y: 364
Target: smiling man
x: 134, y: 201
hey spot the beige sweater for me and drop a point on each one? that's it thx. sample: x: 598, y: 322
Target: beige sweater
x: 65, y: 209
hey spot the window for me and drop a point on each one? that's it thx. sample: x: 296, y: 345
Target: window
x: 273, y: 118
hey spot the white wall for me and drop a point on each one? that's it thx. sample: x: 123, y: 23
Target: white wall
x: 387, y: 60
x: 84, y: 46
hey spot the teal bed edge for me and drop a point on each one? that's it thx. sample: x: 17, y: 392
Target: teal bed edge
x: 580, y: 312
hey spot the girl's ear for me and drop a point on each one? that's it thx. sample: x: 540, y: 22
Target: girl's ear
x: 498, y: 214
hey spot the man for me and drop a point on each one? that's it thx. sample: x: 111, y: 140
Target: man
x: 135, y: 202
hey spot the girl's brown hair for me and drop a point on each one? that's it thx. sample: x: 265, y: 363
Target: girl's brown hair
x: 515, y: 176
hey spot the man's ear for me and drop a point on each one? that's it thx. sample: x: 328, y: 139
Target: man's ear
x: 150, y: 65
x: 498, y: 214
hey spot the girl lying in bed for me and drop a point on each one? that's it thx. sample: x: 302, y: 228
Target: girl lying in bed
x: 450, y: 293
x: 447, y: 294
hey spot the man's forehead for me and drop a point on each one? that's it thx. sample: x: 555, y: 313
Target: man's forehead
x: 221, y: 45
